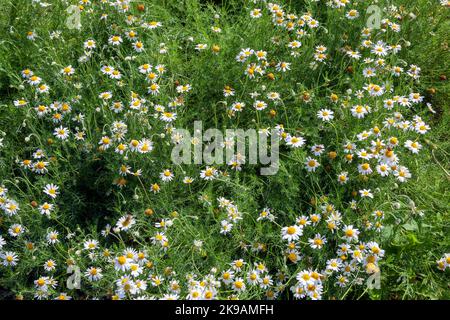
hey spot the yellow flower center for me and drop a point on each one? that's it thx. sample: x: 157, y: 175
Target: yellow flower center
x: 291, y: 230
x: 122, y: 260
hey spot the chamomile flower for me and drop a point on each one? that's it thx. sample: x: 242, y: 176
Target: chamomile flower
x: 160, y: 68
x: 116, y: 74
x: 34, y: 80
x: 135, y: 269
x: 291, y: 233
x: 145, y: 68
x: 265, y: 282
x: 380, y: 49
x: 402, y: 173
x: 259, y: 105
x: 283, y: 66
x: 253, y: 277
x: 125, y: 222
x: 145, y: 146
x: 225, y: 227
x: 46, y: 208
x: 354, y: 54
x: 68, y: 71
x: 342, y: 178
x: 311, y: 164
x: 274, y: 96
x: 305, y: 277
x: 294, y: 44
x: 61, y: 133
x: 184, y: 88
x: 350, y: 233
x: 317, y: 242
x: 168, y: 116
x: 209, y: 173
x: 364, y: 168
x: 238, y: 285
x: 105, y: 142
x: 63, y: 296
x: 366, y: 193
x: 115, y: 40
x: 325, y: 114
x: 153, y: 89
x: 90, y: 44
x: 201, y: 46
x: 265, y: 214
x: 256, y: 13
x: 50, y: 265
x: 155, y: 188
x: 227, y: 276
x: 108, y: 70
x: 334, y: 265
x: 52, y: 237
x: 43, y: 88
x: 90, y: 245
x: 8, y: 258
x: 413, y: 146
x: 10, y: 207
x: 421, y: 127
x: 166, y: 175
x: 122, y: 263
x: 188, y: 180
x: 26, y: 73
x: 237, y: 106
x: 352, y: 14
x: 295, y: 142
x: 359, y: 111
x: 51, y: 190
x: 303, y: 221
x: 383, y: 169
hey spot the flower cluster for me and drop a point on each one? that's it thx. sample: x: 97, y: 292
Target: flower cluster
x: 92, y: 186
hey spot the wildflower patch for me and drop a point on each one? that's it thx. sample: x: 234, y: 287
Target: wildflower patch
x: 189, y: 150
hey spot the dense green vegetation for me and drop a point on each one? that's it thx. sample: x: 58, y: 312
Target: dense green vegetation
x: 177, y: 225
